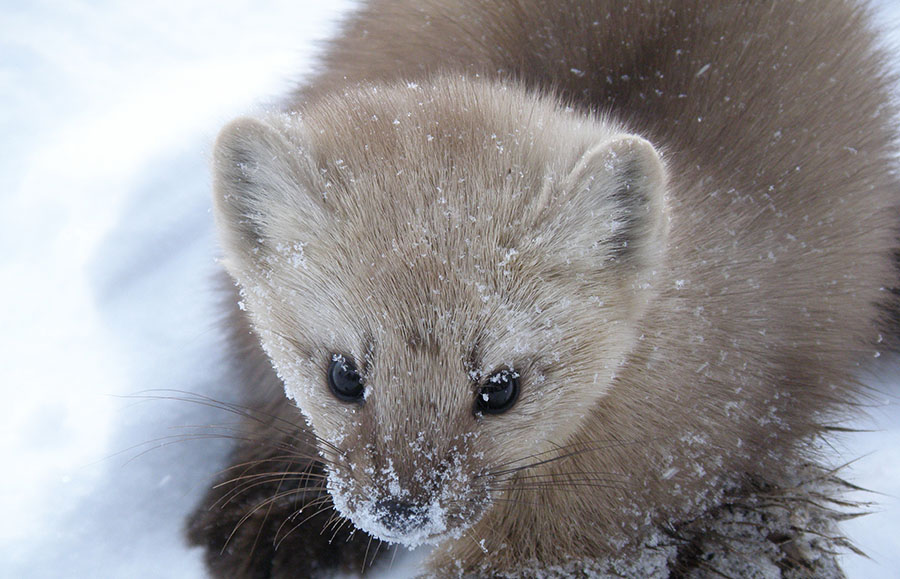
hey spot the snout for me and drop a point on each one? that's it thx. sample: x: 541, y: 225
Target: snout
x: 401, y: 517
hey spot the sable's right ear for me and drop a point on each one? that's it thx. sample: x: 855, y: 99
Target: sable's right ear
x: 262, y: 190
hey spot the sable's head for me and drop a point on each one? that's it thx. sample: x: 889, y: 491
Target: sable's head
x: 445, y: 277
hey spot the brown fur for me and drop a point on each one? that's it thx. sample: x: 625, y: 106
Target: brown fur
x: 685, y: 265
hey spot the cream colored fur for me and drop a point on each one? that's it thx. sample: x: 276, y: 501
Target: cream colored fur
x: 686, y: 309
x: 431, y: 272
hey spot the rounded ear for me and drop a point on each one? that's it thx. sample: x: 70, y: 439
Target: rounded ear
x: 619, y: 185
x: 263, y: 189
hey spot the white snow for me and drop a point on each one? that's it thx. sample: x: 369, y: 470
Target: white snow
x: 107, y: 112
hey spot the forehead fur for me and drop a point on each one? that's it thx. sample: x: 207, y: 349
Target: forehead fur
x: 439, y: 230
x: 428, y: 184
x: 442, y: 154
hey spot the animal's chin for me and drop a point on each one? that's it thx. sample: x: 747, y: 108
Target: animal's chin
x: 412, y: 538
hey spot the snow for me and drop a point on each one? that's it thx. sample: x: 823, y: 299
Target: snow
x: 107, y: 110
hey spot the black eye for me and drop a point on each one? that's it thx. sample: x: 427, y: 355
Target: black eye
x: 498, y: 393
x: 344, y: 379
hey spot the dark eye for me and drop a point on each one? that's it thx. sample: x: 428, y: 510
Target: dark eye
x: 498, y: 393
x: 344, y: 379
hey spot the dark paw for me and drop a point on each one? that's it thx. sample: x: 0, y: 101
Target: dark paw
x: 268, y: 515
x: 273, y: 519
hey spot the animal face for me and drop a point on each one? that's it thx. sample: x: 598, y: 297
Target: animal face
x: 446, y: 278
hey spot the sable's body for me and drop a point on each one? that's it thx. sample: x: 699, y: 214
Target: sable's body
x: 682, y: 328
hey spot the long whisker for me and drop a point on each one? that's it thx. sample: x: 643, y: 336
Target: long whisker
x: 340, y: 523
x: 580, y: 449
x: 262, y: 504
x: 326, y: 501
x: 366, y: 555
x: 233, y: 494
x: 375, y: 554
x: 288, y: 475
x: 523, y: 458
x: 243, y: 411
x: 271, y: 504
x: 276, y: 459
x: 310, y: 505
x: 393, y: 556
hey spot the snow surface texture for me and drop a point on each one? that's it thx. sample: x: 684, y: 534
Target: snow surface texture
x: 107, y: 112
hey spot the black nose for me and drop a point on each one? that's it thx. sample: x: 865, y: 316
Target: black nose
x: 400, y: 516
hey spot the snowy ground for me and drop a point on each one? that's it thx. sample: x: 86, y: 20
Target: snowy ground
x: 107, y: 110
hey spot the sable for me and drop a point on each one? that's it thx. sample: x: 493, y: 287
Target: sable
x: 559, y: 287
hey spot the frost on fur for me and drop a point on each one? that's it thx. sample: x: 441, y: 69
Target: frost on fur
x: 264, y: 192
x: 382, y: 271
x: 765, y: 530
x: 645, y: 223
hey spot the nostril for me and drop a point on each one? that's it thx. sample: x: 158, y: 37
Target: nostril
x: 399, y: 515
x: 396, y: 508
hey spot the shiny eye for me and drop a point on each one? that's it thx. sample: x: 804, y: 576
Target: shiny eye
x: 498, y: 393
x: 344, y: 380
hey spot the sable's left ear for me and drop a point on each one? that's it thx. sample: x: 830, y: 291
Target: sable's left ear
x: 620, y: 183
